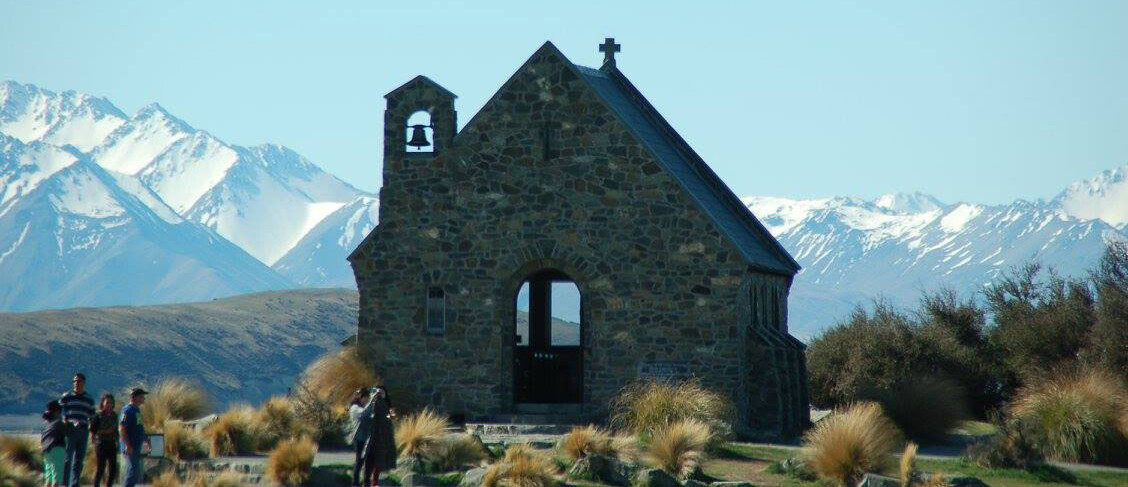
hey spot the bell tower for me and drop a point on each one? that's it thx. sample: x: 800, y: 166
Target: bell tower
x: 419, y: 125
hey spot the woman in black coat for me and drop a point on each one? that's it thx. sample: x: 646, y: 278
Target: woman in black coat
x: 380, y: 450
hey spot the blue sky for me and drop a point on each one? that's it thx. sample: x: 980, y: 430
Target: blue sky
x: 974, y: 101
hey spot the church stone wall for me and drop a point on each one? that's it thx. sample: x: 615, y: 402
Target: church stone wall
x: 545, y: 177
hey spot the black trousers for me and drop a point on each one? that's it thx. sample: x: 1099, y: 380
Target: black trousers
x: 106, y: 453
x: 359, y: 464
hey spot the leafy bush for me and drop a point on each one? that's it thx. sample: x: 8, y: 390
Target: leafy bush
x: 276, y: 420
x: 679, y: 448
x: 522, y: 466
x: 233, y: 432
x: 1077, y: 417
x: 184, y: 443
x: 925, y: 408
x: 848, y: 443
x: 337, y: 375
x: 22, y: 452
x: 646, y: 406
x: 320, y: 417
x: 454, y: 452
x: 419, y: 431
x: 174, y: 398
x: 1105, y: 345
x: 1011, y: 446
x: 291, y: 462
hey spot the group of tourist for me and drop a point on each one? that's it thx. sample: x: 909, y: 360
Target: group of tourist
x: 72, y: 422
x: 371, y: 434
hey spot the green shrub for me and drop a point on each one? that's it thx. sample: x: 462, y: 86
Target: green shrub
x: 1012, y: 446
x: 924, y: 408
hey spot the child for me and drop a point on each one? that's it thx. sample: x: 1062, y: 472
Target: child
x: 53, y: 444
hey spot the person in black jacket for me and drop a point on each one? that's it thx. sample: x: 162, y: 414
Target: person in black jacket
x: 53, y: 444
x: 104, y: 432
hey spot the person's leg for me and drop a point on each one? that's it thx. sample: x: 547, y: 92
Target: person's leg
x: 111, y: 452
x: 132, y: 469
x: 368, y: 465
x: 358, y: 448
x: 99, y: 463
x: 375, y: 475
x: 79, y: 437
x: 67, y: 454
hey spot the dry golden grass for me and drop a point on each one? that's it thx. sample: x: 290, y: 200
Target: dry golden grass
x: 232, y: 433
x: 848, y: 443
x: 336, y: 375
x: 522, y: 466
x: 643, y: 407
x: 908, y: 464
x: 174, y: 398
x: 167, y: 478
x: 22, y: 451
x: 13, y: 474
x: 1077, y: 417
x: 291, y: 462
x: 586, y: 440
x: 454, y: 452
x: 183, y: 443
x: 679, y: 448
x: 276, y: 420
x: 417, y: 432
x: 227, y: 478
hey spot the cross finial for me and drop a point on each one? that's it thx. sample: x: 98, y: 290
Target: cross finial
x: 609, y: 48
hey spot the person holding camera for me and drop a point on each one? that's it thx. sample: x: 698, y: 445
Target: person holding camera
x: 380, y: 449
x: 360, y: 427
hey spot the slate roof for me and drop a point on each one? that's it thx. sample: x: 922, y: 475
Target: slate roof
x: 760, y: 249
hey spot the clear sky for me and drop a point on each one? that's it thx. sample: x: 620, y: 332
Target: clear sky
x: 982, y: 101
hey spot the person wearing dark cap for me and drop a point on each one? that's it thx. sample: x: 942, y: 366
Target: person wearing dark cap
x: 78, y: 408
x: 53, y: 444
x: 133, y: 436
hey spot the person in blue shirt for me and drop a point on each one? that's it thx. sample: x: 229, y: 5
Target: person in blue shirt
x: 133, y: 436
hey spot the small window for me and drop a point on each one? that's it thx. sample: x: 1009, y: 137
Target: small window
x: 565, y: 309
x: 436, y: 311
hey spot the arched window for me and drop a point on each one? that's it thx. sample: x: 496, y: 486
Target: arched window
x: 420, y: 134
x: 548, y: 357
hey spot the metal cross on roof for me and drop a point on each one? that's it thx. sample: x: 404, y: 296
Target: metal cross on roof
x: 609, y: 48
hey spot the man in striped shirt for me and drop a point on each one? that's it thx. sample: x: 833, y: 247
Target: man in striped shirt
x: 78, y: 408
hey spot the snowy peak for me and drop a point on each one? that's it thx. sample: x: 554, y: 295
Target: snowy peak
x: 30, y: 113
x: 23, y: 167
x: 908, y: 203
x: 1103, y: 197
x: 135, y: 144
x: 319, y: 258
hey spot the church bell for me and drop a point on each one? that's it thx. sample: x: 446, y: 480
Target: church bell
x: 418, y: 137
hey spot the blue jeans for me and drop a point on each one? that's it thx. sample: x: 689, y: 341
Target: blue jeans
x: 133, y: 470
x: 75, y: 454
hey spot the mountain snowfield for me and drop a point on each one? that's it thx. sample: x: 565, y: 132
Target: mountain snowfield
x: 106, y: 168
x: 98, y: 207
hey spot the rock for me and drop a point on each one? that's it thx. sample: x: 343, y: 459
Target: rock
x: 694, y: 483
x: 875, y: 480
x: 602, y: 469
x: 965, y: 482
x: 654, y: 477
x: 418, y: 480
x: 473, y: 477
x: 409, y: 465
x: 728, y: 484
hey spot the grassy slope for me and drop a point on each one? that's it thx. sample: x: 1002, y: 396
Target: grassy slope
x: 244, y: 348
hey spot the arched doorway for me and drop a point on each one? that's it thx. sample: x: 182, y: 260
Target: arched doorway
x: 547, y: 347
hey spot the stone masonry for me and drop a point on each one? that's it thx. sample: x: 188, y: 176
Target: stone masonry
x: 549, y: 175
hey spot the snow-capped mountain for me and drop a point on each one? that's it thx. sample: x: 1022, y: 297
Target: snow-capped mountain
x: 899, y: 245
x: 1104, y: 197
x: 74, y: 234
x: 316, y: 260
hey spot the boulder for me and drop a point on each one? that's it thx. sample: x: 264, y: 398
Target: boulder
x: 965, y: 482
x: 694, y: 483
x: 875, y: 480
x: 418, y: 480
x: 655, y: 477
x: 473, y: 477
x: 602, y: 469
x: 730, y: 484
x: 409, y: 465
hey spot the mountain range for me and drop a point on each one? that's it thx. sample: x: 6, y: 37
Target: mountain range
x: 102, y: 208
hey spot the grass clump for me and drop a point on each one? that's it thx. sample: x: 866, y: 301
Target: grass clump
x: 23, y: 452
x: 908, y: 464
x: 1077, y: 417
x: 679, y: 448
x: 848, y: 443
x: 522, y: 466
x: 925, y: 408
x: 454, y: 452
x: 183, y: 443
x: 14, y: 474
x: 417, y: 432
x: 336, y: 375
x: 174, y: 398
x: 586, y: 440
x: 644, y: 407
x: 276, y: 420
x: 232, y: 433
x: 291, y: 462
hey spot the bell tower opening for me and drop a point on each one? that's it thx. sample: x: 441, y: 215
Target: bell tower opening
x: 420, y: 133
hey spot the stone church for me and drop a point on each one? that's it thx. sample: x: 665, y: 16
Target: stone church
x: 565, y: 242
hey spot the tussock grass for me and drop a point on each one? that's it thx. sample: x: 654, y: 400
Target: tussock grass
x: 679, y: 448
x: 13, y: 474
x: 175, y: 398
x: 454, y: 452
x: 848, y: 443
x: 232, y: 433
x: 586, y: 440
x: 183, y: 443
x: 167, y: 478
x: 22, y: 452
x: 291, y: 462
x: 643, y: 407
x: 276, y: 420
x: 908, y: 464
x: 522, y: 466
x: 227, y: 478
x: 925, y: 408
x: 417, y: 432
x: 336, y: 375
x: 1077, y: 417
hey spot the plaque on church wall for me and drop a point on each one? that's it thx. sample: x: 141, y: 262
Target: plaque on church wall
x: 664, y: 370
